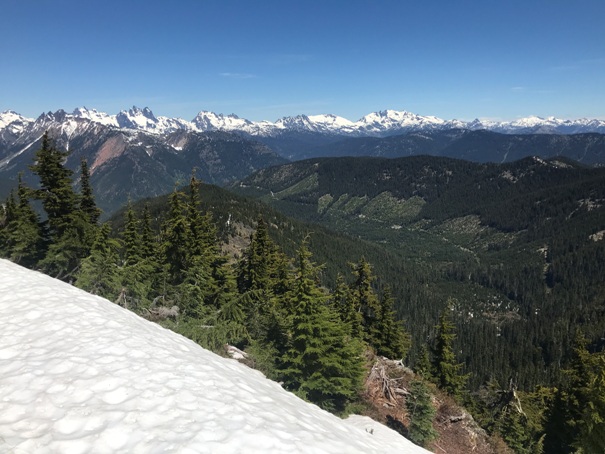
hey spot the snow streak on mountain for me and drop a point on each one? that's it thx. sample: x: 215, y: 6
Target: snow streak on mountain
x: 81, y: 374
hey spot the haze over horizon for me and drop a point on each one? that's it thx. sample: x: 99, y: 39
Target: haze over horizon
x: 264, y: 61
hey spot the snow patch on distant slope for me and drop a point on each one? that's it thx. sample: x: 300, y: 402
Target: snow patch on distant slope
x: 81, y: 374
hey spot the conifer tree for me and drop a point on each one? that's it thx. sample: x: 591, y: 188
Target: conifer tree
x: 99, y: 273
x: 365, y: 301
x: 255, y: 268
x: 421, y: 413
x: 70, y: 232
x: 148, y: 237
x: 56, y: 193
x: 175, y: 240
x: 132, y: 241
x: 87, y: 200
x: 592, y: 423
x: 391, y: 341
x: 24, y: 240
x: 345, y: 306
x: 446, y: 371
x: 575, y: 421
x: 323, y: 363
x: 423, y: 363
x: 262, y: 280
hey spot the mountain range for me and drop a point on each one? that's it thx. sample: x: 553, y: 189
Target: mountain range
x: 135, y: 154
x: 376, y: 124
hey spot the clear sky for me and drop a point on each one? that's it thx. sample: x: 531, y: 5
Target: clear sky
x: 265, y: 59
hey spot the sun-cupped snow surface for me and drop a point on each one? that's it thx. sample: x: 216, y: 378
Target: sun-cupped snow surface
x: 80, y: 374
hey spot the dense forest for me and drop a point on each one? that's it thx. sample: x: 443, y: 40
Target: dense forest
x: 312, y: 326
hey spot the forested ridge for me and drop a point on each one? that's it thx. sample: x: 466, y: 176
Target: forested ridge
x: 309, y: 306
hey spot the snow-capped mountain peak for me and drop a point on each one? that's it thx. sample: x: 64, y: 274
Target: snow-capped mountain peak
x: 380, y: 123
x: 15, y: 121
x: 95, y: 116
x: 393, y: 120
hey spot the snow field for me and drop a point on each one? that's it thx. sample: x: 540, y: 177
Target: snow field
x: 79, y: 374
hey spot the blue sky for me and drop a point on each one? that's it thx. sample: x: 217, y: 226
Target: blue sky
x: 265, y: 59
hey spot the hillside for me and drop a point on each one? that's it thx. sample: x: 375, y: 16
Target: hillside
x: 471, y: 145
x: 519, y: 246
x: 130, y: 164
x: 82, y: 374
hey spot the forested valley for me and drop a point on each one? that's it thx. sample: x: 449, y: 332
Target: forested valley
x: 311, y: 308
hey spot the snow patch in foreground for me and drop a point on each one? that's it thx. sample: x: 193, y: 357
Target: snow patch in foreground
x: 80, y: 374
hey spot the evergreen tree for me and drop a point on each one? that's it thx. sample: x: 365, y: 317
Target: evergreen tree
x: 58, y: 197
x: 447, y: 372
x: 263, y: 279
x: 256, y: 267
x: 421, y: 413
x: 148, y: 237
x: 576, y: 420
x: 131, y: 236
x: 138, y: 272
x: 87, y: 200
x: 70, y: 232
x: 323, y: 363
x: 24, y: 240
x: 175, y: 240
x: 423, y: 363
x: 99, y: 273
x: 592, y: 424
x: 344, y: 304
x: 391, y: 340
x: 365, y: 301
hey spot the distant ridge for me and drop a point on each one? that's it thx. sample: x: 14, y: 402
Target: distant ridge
x: 375, y: 124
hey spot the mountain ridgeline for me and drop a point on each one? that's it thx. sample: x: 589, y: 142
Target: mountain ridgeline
x: 471, y: 145
x: 519, y: 247
x: 127, y: 164
x: 134, y: 154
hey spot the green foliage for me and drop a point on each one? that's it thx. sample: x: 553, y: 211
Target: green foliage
x: 366, y: 302
x: 446, y: 370
x: 344, y: 304
x: 391, y: 340
x: 23, y: 240
x: 87, y: 199
x: 175, y: 239
x: 421, y: 413
x: 576, y: 418
x: 516, y: 244
x: 58, y: 197
x: 99, y: 273
x: 322, y: 363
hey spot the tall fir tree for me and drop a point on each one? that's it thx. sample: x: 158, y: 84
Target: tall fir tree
x: 323, y: 363
x: 70, y: 232
x: 175, y: 240
x: 56, y: 193
x: 131, y: 237
x: 24, y: 239
x: 421, y: 413
x: 149, y: 244
x: 99, y: 272
x: 392, y: 340
x: 446, y: 370
x: 345, y: 306
x: 365, y: 301
x: 87, y: 199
